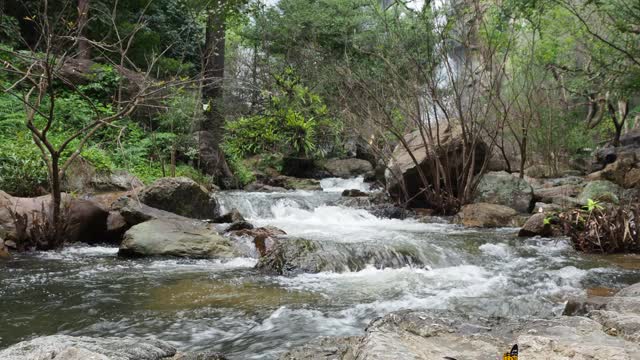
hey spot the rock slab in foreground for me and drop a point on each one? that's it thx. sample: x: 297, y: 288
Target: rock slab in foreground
x: 64, y: 347
x: 174, y: 237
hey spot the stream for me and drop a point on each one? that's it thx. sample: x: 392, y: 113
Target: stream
x: 231, y: 308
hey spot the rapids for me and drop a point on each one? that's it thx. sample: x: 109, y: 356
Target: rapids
x: 232, y: 308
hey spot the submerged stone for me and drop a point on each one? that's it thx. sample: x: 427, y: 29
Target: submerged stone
x: 294, y: 256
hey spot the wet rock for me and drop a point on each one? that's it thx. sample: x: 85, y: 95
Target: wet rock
x: 347, y: 168
x: 389, y: 211
x: 230, y: 217
x: 402, y: 171
x: 353, y: 193
x: 63, y: 347
x: 199, y: 356
x: 295, y: 256
x: 536, y: 225
x: 505, y: 189
x: 292, y: 183
x: 486, y: 215
x: 602, y: 191
x: 175, y: 237
x: 239, y: 225
x: 181, y: 196
x: 260, y: 187
x: 263, y: 237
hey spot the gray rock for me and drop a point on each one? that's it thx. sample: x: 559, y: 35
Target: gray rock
x: 536, y: 226
x: 175, y: 237
x: 346, y: 168
x: 573, y: 337
x: 600, y: 190
x: 633, y: 290
x: 548, y: 208
x: 182, y: 196
x: 230, y: 217
x: 353, y: 193
x: 547, y: 194
x: 291, y: 256
x: 239, y: 225
x: 119, y: 180
x: 63, y: 347
x: 505, y: 189
x: 134, y: 212
x: 486, y: 215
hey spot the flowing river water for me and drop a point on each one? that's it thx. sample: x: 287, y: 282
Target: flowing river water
x: 229, y: 307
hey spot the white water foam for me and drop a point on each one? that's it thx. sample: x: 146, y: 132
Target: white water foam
x: 339, y: 184
x: 344, y: 224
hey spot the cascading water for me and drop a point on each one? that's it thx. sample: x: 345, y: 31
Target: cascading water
x: 232, y: 308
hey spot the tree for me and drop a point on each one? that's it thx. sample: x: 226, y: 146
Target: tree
x: 42, y: 73
x: 83, y: 16
x: 210, y: 137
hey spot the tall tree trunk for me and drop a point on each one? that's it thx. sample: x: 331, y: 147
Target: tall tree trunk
x: 212, y: 159
x: 84, y: 50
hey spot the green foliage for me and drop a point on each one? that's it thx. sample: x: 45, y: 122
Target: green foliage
x: 593, y: 205
x: 294, y: 121
x: 99, y: 158
x: 22, y: 171
x: 104, y: 82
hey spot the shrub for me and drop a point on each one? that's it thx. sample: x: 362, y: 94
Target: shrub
x: 22, y: 171
x: 600, y: 229
x: 294, y: 122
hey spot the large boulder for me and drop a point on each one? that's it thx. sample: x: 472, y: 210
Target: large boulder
x: 118, y: 180
x: 83, y: 177
x: 602, y: 191
x: 536, y: 225
x: 291, y: 256
x: 502, y: 188
x: 547, y: 194
x: 347, y: 168
x: 182, y: 196
x: 173, y: 237
x: 134, y: 212
x: 486, y: 215
x: 64, y: 347
x: 85, y: 221
x: 402, y: 172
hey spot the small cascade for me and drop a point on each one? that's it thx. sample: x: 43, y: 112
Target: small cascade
x: 339, y: 184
